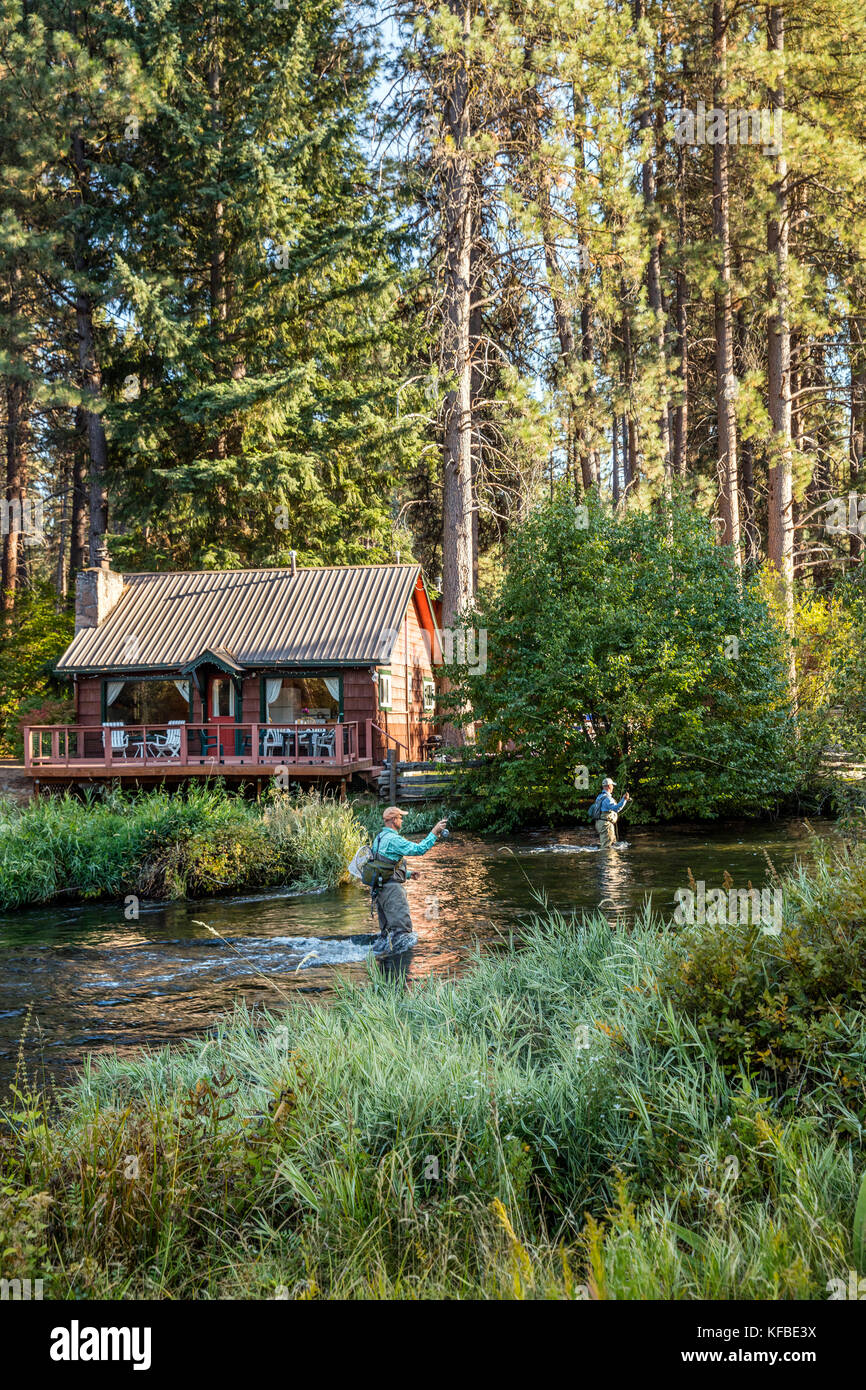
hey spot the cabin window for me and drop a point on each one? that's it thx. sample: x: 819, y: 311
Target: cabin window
x: 385, y: 690
x: 302, y: 699
x: 429, y: 696
x: 146, y: 702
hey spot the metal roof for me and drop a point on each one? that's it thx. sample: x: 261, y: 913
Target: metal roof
x: 346, y: 615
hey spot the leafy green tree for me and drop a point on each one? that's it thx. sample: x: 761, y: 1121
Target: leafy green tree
x: 627, y: 646
x: 831, y: 673
x: 36, y: 636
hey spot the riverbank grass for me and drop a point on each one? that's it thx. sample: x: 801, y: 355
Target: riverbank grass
x: 158, y: 845
x: 554, y: 1124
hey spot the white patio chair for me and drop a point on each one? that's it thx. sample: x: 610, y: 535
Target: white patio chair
x: 324, y: 743
x: 119, y: 737
x: 272, y: 742
x: 167, y: 745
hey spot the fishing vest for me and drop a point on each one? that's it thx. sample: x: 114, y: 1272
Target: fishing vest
x: 377, y: 870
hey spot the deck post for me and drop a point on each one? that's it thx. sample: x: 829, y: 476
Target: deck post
x: 27, y: 746
x: 254, y: 745
x: 184, y: 747
x: 368, y: 740
x: 392, y: 774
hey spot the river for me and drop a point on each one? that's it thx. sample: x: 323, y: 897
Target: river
x: 97, y: 982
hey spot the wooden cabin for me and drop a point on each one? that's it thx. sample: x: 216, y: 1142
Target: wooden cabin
x: 312, y: 673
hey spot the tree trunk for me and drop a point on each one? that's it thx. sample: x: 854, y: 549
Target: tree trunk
x: 91, y: 375
x: 858, y: 417
x: 746, y: 453
x: 726, y: 381
x: 62, y: 531
x: 14, y: 516
x: 780, y: 539
x: 681, y: 409
x: 218, y: 298
x: 91, y: 380
x: 564, y: 324
x: 78, y: 525
x: 478, y: 379
x: 814, y: 374
x: 629, y: 447
x: 654, y: 272
x: 590, y: 464
x: 626, y: 465
x: 456, y: 192
x: 565, y: 334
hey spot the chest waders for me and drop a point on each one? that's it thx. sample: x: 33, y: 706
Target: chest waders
x: 606, y: 827
x: 388, y: 894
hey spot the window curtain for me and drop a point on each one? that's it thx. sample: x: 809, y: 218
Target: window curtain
x: 333, y: 684
x: 272, y: 689
x: 112, y: 690
x: 183, y: 689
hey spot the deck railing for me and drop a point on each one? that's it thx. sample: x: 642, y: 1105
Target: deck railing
x: 131, y: 747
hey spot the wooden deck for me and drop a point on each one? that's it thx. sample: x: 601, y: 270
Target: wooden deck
x: 76, y: 752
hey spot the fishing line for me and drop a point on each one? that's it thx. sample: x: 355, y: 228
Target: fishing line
x: 266, y: 979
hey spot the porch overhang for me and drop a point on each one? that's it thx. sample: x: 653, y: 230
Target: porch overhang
x: 214, y: 656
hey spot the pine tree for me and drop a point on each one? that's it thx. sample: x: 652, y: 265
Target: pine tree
x: 257, y: 395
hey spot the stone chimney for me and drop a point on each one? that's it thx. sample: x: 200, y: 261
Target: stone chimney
x: 96, y: 593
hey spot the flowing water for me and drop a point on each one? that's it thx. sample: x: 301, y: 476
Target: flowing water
x: 96, y: 982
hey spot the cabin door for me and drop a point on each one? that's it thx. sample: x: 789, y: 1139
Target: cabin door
x: 221, y: 713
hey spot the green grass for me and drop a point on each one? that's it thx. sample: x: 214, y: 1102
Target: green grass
x: 550, y: 1125
x: 159, y: 845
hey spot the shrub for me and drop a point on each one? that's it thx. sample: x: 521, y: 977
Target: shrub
x: 214, y: 860
x: 788, y: 1007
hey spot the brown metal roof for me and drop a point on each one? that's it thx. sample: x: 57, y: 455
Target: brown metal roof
x: 343, y: 615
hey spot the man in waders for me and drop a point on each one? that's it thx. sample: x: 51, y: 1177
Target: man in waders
x: 604, y: 811
x: 392, y: 905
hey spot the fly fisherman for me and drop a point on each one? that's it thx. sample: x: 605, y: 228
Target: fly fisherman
x: 390, y: 851
x: 604, y: 811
